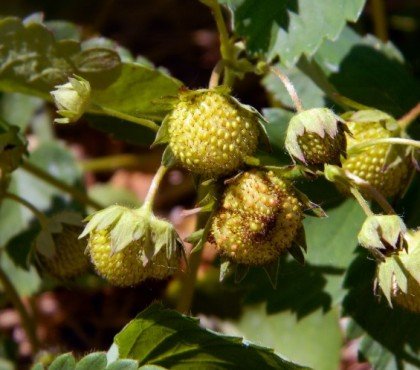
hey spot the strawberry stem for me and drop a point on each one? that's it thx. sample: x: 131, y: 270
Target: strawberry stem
x: 127, y: 117
x: 226, y: 49
x: 43, y: 220
x: 390, y: 140
x: 289, y: 87
x: 46, y: 177
x: 362, y: 201
x: 154, y: 186
x: 215, y: 75
x: 27, y: 321
x: 375, y: 194
x: 409, y: 117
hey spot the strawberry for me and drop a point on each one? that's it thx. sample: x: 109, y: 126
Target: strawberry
x: 316, y: 136
x: 211, y: 133
x: 128, y: 246
x: 69, y: 259
x: 259, y: 217
x: 387, y: 167
x: 125, y: 268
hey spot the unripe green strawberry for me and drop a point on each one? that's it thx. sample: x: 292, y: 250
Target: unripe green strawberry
x: 399, y: 274
x: 125, y: 268
x: 316, y: 136
x: 259, y: 217
x: 69, y: 259
x: 386, y: 167
x: 211, y: 133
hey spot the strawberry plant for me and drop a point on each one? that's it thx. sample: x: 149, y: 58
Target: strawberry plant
x: 264, y: 216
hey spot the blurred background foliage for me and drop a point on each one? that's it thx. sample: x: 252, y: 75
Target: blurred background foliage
x: 301, y: 319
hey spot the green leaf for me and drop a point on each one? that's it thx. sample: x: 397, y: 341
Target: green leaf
x: 369, y: 72
x: 162, y: 337
x: 314, y: 340
x: 63, y: 362
x: 18, y: 109
x: 33, y: 62
x: 123, y: 365
x: 291, y: 28
x: 93, y: 361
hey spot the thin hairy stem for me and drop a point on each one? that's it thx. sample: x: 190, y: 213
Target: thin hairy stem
x: 46, y: 177
x: 154, y: 186
x: 27, y: 321
x: 43, y: 220
x: 141, y: 121
x: 409, y: 118
x: 362, y: 201
x: 390, y: 140
x: 289, y: 87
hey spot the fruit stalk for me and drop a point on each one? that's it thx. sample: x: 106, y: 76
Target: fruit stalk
x: 225, y: 45
x: 408, y: 118
x: 289, y: 87
x: 39, y: 215
x: 380, y: 199
x: 390, y: 140
x: 27, y: 321
x: 189, y: 280
x: 127, y: 117
x: 362, y: 202
x: 45, y: 176
x: 154, y: 186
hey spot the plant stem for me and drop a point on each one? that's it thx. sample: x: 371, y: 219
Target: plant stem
x: 361, y: 201
x: 408, y: 118
x: 141, y: 121
x: 27, y: 321
x: 43, y: 220
x: 289, y: 87
x: 111, y: 162
x: 189, y: 280
x: 225, y: 46
x: 380, y: 199
x: 379, y: 19
x: 348, y: 103
x: 75, y: 193
x: 154, y: 186
x: 215, y: 75
x: 390, y: 140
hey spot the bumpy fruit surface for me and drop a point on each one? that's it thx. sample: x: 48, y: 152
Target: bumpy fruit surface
x: 318, y: 150
x: 384, y: 166
x: 125, y: 268
x: 211, y: 133
x: 70, y: 259
x: 259, y: 217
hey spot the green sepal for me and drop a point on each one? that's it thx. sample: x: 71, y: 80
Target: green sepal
x: 321, y: 121
x: 312, y: 208
x: 226, y: 269
x: 44, y: 242
x: 125, y: 225
x: 382, y: 232
x: 292, y: 172
x: 297, y: 253
x: 162, y: 136
x: 195, y: 236
x: 168, y: 158
x: 241, y: 271
x: 272, y: 271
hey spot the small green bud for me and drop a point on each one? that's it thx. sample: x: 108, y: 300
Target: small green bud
x: 71, y: 99
x: 316, y: 136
